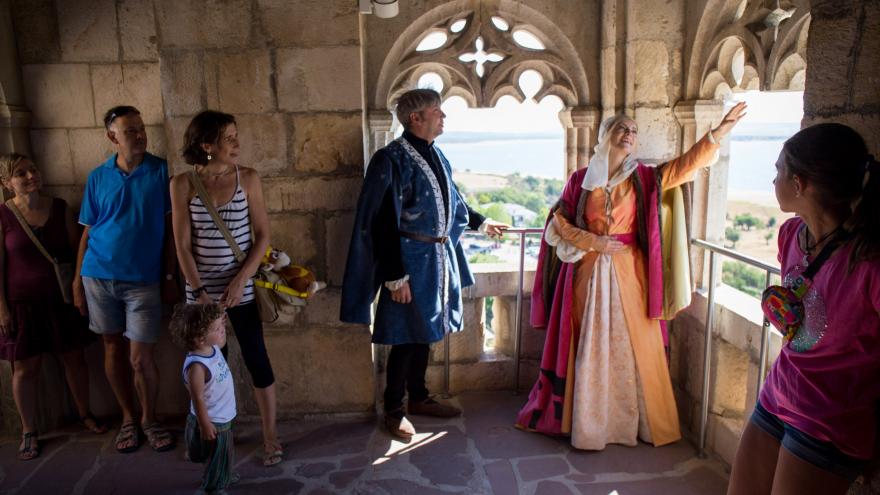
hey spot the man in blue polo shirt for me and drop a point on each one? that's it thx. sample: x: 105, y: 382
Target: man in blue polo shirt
x: 125, y: 257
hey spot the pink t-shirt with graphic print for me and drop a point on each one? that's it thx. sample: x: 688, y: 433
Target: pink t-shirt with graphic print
x: 826, y: 381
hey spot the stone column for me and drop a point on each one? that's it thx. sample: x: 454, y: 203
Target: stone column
x: 380, y: 132
x: 14, y: 116
x: 579, y: 124
x: 697, y: 117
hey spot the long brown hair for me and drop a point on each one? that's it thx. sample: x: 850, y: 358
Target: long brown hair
x: 834, y: 159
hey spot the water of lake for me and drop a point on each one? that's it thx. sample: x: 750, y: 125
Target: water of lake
x: 751, y: 160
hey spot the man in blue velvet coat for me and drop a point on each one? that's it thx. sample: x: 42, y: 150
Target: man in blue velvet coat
x: 405, y: 242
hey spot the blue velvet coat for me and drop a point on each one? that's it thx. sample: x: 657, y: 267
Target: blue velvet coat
x: 437, y: 271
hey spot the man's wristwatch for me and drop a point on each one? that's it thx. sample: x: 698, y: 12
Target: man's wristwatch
x: 199, y: 291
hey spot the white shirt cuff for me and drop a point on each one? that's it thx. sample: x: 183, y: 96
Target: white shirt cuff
x: 566, y: 252
x: 394, y: 285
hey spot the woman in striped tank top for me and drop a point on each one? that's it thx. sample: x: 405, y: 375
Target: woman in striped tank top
x: 206, y: 260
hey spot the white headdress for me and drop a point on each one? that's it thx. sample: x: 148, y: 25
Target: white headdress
x: 597, y: 171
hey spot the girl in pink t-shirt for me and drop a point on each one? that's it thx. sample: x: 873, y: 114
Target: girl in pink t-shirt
x: 819, y: 402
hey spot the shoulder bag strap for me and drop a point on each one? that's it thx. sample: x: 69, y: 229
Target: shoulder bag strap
x: 221, y: 225
x: 30, y: 233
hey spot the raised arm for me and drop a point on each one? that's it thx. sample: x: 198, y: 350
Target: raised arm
x: 680, y: 170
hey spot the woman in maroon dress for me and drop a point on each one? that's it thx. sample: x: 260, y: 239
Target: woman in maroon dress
x: 34, y: 318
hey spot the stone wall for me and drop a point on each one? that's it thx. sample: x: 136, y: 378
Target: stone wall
x: 290, y: 73
x: 843, y: 53
x: 652, y: 68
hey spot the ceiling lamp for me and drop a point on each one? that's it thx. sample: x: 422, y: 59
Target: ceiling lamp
x: 384, y: 9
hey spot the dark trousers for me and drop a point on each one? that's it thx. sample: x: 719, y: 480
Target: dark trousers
x: 245, y: 320
x: 407, y: 364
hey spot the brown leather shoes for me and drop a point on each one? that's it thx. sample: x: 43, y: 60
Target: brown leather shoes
x: 400, y: 428
x: 430, y: 407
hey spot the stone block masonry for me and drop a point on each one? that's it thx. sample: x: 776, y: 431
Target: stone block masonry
x: 291, y: 77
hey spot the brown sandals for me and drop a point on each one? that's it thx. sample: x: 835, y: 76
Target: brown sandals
x: 127, y: 440
x: 158, y: 437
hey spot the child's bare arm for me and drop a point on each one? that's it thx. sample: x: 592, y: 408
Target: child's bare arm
x: 195, y: 375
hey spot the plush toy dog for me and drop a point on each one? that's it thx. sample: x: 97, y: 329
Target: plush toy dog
x: 276, y: 263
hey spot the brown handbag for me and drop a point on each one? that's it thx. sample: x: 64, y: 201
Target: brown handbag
x: 64, y: 272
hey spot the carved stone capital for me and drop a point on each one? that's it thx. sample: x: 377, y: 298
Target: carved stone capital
x: 698, y: 111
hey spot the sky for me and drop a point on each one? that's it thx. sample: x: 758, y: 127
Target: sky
x: 511, y: 116
x: 772, y: 106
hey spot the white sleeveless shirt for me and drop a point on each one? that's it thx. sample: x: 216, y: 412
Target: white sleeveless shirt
x: 219, y: 389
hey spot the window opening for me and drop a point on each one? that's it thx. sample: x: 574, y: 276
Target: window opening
x: 431, y: 80
x: 500, y: 23
x: 528, y: 40
x: 479, y: 57
x: 753, y: 215
x: 432, y: 41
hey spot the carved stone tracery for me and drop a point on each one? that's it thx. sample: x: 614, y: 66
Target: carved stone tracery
x: 482, y: 43
x: 769, y: 34
x: 488, y: 40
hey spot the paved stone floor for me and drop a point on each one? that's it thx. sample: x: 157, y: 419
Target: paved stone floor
x: 478, y: 453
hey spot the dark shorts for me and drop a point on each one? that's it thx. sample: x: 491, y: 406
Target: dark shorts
x: 823, y: 455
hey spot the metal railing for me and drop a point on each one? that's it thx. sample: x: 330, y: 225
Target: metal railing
x: 770, y: 270
x: 713, y: 250
x: 522, y: 233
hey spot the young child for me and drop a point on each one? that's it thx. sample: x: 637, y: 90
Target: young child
x: 201, y: 330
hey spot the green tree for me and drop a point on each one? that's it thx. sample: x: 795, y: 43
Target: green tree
x: 532, y: 183
x: 539, y: 220
x: 747, y: 220
x: 743, y: 277
x: 485, y: 258
x: 769, y: 236
x: 497, y: 212
x: 553, y: 188
x: 771, y: 222
x: 731, y: 235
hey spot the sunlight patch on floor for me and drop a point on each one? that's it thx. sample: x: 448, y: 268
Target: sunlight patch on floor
x: 399, y: 447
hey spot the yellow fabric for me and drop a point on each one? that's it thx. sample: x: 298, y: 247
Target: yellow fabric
x: 678, y: 286
x: 279, y: 287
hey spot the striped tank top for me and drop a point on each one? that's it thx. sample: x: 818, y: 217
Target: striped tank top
x: 214, y: 258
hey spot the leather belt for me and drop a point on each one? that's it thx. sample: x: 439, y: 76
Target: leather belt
x: 424, y: 238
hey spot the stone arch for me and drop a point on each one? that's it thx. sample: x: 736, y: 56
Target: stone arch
x: 786, y: 64
x: 558, y: 63
x: 770, y: 35
x: 733, y: 62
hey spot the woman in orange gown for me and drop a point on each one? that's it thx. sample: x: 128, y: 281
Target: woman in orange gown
x: 599, y: 292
